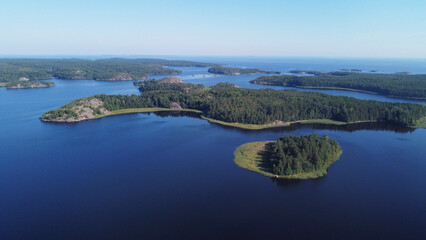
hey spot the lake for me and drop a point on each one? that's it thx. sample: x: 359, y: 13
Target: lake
x: 172, y: 176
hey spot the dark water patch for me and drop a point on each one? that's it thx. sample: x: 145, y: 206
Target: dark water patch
x: 128, y: 177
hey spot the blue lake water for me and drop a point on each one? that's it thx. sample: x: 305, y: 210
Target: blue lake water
x: 169, y: 176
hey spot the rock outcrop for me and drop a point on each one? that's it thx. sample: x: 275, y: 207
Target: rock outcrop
x: 80, y: 110
x: 29, y: 84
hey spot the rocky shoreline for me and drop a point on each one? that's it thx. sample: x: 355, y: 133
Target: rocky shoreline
x: 29, y: 84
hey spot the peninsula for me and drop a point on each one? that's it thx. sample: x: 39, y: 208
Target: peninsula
x: 289, y: 157
x: 239, y: 107
x: 238, y: 71
x: 391, y: 85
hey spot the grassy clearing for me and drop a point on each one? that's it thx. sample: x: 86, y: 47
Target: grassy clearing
x: 324, y: 121
x: 242, y: 125
x: 251, y: 156
x: 144, y: 110
x: 248, y: 156
x: 260, y: 127
x: 421, y: 123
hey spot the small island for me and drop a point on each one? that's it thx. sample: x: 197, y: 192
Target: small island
x: 290, y: 157
x: 28, y: 84
x: 238, y: 71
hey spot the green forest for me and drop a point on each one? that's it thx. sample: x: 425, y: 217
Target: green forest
x: 258, y: 106
x: 395, y: 85
x: 294, y: 155
x: 101, y: 69
x: 238, y: 71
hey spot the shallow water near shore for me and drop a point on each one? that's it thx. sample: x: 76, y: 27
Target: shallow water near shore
x: 171, y: 175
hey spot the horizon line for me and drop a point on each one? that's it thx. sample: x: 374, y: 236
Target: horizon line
x: 208, y: 56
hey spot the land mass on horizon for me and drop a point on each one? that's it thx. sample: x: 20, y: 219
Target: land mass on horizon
x: 20, y: 73
x: 238, y: 71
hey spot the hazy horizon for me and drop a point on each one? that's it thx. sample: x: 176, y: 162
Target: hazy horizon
x: 326, y: 29
x: 130, y: 56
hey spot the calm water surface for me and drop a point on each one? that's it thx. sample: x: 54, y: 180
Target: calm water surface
x: 162, y: 176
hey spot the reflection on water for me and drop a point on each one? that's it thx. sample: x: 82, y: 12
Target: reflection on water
x: 286, y: 183
x: 375, y: 126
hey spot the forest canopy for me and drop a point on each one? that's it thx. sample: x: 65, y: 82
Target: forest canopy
x: 294, y: 155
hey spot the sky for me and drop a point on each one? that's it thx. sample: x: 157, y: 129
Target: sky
x: 282, y: 28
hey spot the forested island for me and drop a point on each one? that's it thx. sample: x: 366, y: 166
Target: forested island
x: 238, y: 71
x: 238, y: 107
x: 392, y: 85
x: 316, y: 73
x: 19, y: 71
x: 289, y: 157
x: 28, y: 84
x: 162, y: 80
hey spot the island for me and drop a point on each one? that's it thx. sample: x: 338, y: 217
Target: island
x: 28, y: 84
x: 316, y: 73
x: 290, y: 157
x: 392, y: 85
x: 351, y: 70
x: 238, y: 71
x: 162, y: 80
x: 115, y: 69
x: 238, y: 107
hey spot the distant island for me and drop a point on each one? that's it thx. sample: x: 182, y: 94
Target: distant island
x: 28, y: 84
x: 402, y: 85
x: 162, y: 80
x: 351, y: 70
x: 243, y: 108
x: 238, y: 71
x: 19, y: 71
x: 289, y: 157
x: 316, y: 73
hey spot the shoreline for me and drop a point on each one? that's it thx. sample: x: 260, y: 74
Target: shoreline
x: 143, y: 110
x: 247, y: 156
x: 211, y: 120
x: 18, y: 88
x: 236, y: 125
x: 266, y: 126
x: 125, y: 111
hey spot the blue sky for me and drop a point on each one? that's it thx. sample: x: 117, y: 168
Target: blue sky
x: 322, y: 28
